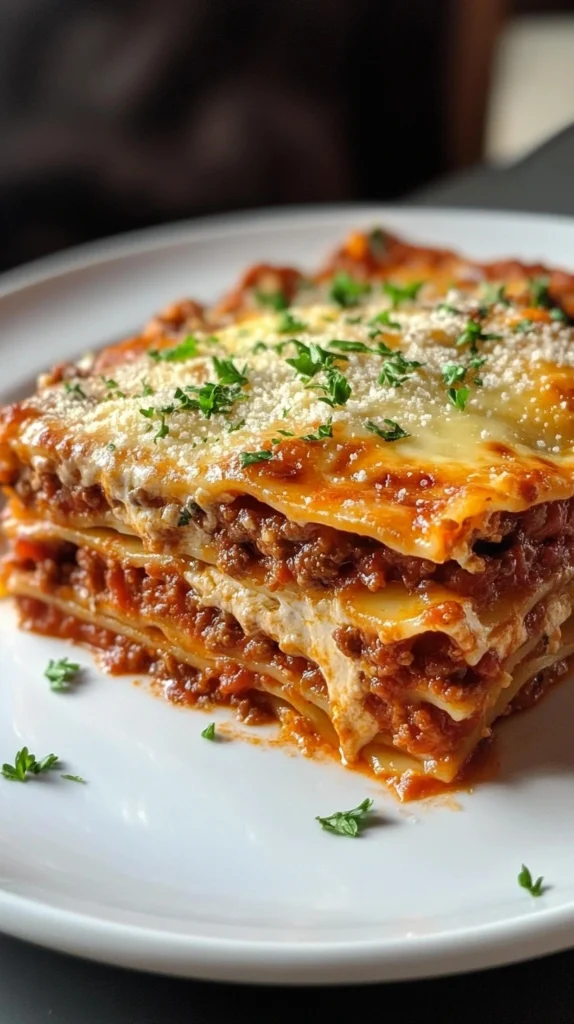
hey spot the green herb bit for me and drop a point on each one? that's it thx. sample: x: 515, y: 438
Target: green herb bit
x: 163, y: 430
x: 61, y: 673
x: 539, y: 292
x: 186, y: 349
x: 147, y: 390
x: 111, y: 447
x: 236, y: 426
x: 290, y: 324
x: 210, y: 398
x: 383, y: 320
x: 323, y: 431
x: 74, y: 778
x: 445, y: 307
x: 472, y: 334
x: 74, y: 389
x: 26, y: 764
x: 285, y: 433
x: 347, y: 823
x: 227, y: 372
x: 522, y: 327
x: 393, y: 431
x: 398, y: 293
x: 274, y: 300
x: 259, y: 346
x: 311, y: 359
x: 353, y: 319
x: 396, y: 369
x: 187, y: 513
x: 148, y: 413
x: 525, y: 880
x: 377, y: 243
x: 250, y: 458
x: 494, y: 294
x: 453, y: 373
x: 350, y: 346
x: 346, y: 291
x: 209, y: 732
x: 337, y: 390
x: 558, y: 314
x: 458, y: 397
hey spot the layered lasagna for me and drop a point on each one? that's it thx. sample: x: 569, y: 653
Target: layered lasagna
x: 347, y: 497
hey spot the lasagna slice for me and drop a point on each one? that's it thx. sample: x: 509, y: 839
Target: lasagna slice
x: 347, y: 498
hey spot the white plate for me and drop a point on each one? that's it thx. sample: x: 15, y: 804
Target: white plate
x: 205, y: 859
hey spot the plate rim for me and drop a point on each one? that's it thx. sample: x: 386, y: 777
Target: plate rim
x: 540, y: 931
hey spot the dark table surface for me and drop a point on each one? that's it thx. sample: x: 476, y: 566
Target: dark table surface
x: 41, y: 987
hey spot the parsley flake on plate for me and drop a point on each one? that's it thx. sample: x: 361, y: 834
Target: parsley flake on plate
x: 525, y: 880
x: 337, y: 390
x: 347, y: 823
x: 61, y: 673
x: 209, y: 732
x: 472, y: 334
x: 289, y: 324
x: 396, y: 369
x: 311, y: 359
x: 25, y: 764
x: 73, y: 778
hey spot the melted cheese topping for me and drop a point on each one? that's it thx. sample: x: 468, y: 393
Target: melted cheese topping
x: 425, y: 494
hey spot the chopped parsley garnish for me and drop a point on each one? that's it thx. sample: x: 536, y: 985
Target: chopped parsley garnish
x: 445, y: 307
x: 350, y: 346
x: 539, y: 293
x: 377, y: 243
x: 61, y: 673
x: 522, y: 327
x: 209, y: 399
x: 74, y: 778
x: 113, y: 388
x: 259, y: 346
x: 337, y: 389
x: 311, y: 359
x: 74, y: 389
x: 472, y: 334
x: 396, y: 369
x: 525, y: 880
x: 111, y: 447
x: 393, y: 431
x: 26, y: 764
x: 289, y: 324
x: 347, y: 823
x: 163, y: 430
x: 227, y: 372
x: 453, y: 373
x: 209, y: 732
x: 398, y: 293
x: 383, y: 320
x: 458, y: 397
x: 323, y: 431
x: 558, y: 314
x: 236, y: 426
x: 353, y: 319
x: 148, y: 413
x: 188, y: 512
x: 250, y: 458
x: 147, y: 390
x: 284, y: 433
x: 186, y: 349
x: 346, y: 291
x: 493, y: 294
x: 275, y: 300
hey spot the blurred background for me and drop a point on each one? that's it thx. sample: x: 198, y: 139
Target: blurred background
x: 118, y: 114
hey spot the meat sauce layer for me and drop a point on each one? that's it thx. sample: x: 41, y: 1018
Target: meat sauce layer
x: 521, y: 551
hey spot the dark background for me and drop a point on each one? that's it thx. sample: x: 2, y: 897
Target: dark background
x: 116, y: 114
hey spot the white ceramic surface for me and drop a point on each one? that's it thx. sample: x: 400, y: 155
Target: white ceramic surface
x: 204, y: 859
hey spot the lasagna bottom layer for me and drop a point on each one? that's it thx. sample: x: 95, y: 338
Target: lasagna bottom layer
x: 259, y: 699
